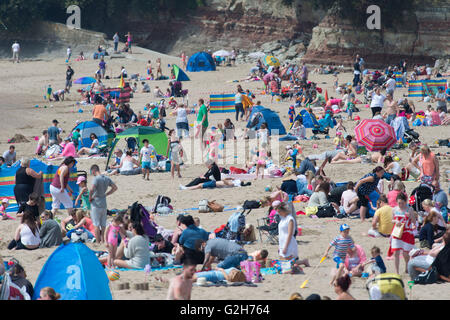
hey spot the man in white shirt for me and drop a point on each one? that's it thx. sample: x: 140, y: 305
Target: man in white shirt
x: 16, y: 49
x: 377, y: 101
x: 429, y: 71
x: 390, y: 85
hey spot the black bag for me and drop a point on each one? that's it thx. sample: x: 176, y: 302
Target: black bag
x: 444, y: 142
x: 326, y: 211
x: 427, y: 277
x: 251, y: 204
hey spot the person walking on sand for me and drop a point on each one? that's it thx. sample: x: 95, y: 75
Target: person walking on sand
x: 180, y: 287
x: 129, y: 39
x: 116, y: 41
x: 69, y: 75
x: 97, y: 198
x: 16, y: 50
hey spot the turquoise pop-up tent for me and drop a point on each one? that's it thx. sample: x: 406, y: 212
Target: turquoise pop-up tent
x: 75, y: 272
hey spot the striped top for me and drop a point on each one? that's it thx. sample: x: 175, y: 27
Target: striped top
x: 342, y: 244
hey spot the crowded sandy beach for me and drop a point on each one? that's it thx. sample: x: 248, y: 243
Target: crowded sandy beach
x: 262, y: 180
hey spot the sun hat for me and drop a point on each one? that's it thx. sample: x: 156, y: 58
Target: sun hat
x: 344, y: 227
x: 81, y: 179
x: 5, y: 200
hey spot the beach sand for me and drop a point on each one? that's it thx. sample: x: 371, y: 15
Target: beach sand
x: 23, y: 87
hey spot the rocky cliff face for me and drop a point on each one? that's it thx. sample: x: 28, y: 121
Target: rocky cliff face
x: 422, y: 39
x: 48, y: 39
x: 224, y: 24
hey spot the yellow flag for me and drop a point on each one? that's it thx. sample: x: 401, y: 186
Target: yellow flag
x: 122, y: 83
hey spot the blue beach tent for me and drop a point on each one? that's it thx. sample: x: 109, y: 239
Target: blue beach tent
x: 309, y: 121
x: 201, y: 61
x: 75, y: 272
x: 86, y: 129
x: 269, y: 117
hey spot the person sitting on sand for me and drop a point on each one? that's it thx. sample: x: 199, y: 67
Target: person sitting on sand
x: 133, y: 253
x: 129, y: 165
x: 378, y: 156
x: 180, y: 287
x: 50, y: 231
x: 341, y: 287
x: 213, y: 171
x: 93, y: 149
x: 42, y: 144
x: 349, y: 201
x: 382, y: 220
x: 350, y: 153
x: 27, y: 234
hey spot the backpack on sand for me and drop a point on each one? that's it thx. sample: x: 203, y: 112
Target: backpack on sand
x: 203, y: 206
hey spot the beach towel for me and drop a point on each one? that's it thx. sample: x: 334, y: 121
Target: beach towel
x: 233, y: 222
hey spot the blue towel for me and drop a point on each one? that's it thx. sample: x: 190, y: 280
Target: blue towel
x: 234, y: 221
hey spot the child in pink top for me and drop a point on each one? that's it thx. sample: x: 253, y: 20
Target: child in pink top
x: 112, y: 238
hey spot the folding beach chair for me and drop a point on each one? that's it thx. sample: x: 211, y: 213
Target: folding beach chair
x: 268, y: 230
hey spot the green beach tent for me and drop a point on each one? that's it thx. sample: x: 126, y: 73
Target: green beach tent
x: 179, y: 74
x: 156, y: 138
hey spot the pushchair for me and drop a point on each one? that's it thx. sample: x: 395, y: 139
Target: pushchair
x: 411, y: 136
x: 368, y: 87
x: 235, y: 226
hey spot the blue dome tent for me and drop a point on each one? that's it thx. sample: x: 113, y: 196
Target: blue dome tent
x: 261, y: 115
x: 88, y: 127
x: 201, y: 61
x: 75, y: 272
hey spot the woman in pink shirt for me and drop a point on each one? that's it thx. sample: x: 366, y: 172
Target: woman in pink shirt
x: 69, y: 149
x: 399, y: 187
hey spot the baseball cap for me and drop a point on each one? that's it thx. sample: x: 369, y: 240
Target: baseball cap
x: 344, y: 227
x: 81, y: 179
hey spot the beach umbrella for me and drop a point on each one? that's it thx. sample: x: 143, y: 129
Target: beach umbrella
x: 222, y: 53
x: 85, y: 80
x: 271, y: 61
x: 375, y: 134
x: 257, y: 55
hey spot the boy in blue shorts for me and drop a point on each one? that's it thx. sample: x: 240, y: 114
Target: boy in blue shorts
x: 342, y: 243
x: 145, y: 157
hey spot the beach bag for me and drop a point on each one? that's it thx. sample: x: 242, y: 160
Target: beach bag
x: 252, y: 270
x: 326, y: 211
x: 10, y: 291
x: 203, y: 206
x: 398, y: 231
x: 215, y: 207
x: 386, y: 286
x: 251, y: 204
x: 427, y: 277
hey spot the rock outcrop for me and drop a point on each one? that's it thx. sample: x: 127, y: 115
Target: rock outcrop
x: 250, y: 25
x: 49, y: 38
x: 421, y: 40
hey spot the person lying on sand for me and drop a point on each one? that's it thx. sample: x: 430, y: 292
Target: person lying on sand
x: 225, y: 183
